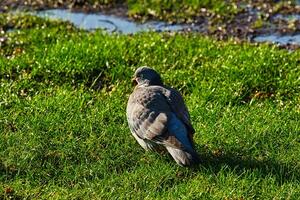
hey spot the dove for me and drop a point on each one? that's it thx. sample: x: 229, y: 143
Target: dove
x: 157, y: 116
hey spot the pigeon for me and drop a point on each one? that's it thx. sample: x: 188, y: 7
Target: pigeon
x: 157, y: 116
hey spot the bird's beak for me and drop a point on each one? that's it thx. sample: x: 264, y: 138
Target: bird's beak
x: 133, y: 81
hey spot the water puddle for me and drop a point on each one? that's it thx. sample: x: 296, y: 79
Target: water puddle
x: 290, y: 17
x: 279, y: 39
x: 110, y: 23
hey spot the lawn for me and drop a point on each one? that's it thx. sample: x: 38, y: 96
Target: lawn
x: 63, y: 127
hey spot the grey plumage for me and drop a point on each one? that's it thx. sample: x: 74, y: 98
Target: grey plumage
x: 157, y: 115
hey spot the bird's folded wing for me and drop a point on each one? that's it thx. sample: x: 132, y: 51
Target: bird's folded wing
x: 178, y: 106
x: 144, y: 115
x: 151, y: 122
x: 153, y: 126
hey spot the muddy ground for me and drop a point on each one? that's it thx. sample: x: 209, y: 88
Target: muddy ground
x: 252, y: 18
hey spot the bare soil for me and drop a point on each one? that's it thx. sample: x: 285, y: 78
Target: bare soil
x: 252, y: 19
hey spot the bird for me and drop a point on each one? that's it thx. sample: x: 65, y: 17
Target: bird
x: 158, y: 117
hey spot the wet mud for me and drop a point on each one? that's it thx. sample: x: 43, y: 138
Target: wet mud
x: 255, y: 21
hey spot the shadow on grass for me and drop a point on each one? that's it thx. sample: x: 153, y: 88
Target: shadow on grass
x: 240, y: 162
x: 94, y: 79
x: 7, y: 172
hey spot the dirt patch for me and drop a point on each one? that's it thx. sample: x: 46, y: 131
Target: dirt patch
x: 251, y: 19
x: 117, y: 8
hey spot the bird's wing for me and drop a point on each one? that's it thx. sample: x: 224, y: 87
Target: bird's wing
x: 178, y: 106
x: 149, y: 115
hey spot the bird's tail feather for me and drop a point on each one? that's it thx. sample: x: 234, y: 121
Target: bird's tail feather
x: 183, y: 158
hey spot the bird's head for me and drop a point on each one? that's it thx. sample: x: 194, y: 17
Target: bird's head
x: 146, y: 76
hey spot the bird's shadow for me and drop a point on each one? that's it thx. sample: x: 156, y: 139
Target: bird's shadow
x: 239, y: 162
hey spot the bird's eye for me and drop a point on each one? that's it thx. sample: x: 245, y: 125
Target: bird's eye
x: 134, y: 82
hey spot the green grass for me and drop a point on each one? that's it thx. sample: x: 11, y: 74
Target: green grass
x: 63, y: 127
x: 188, y: 10
x: 185, y: 10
